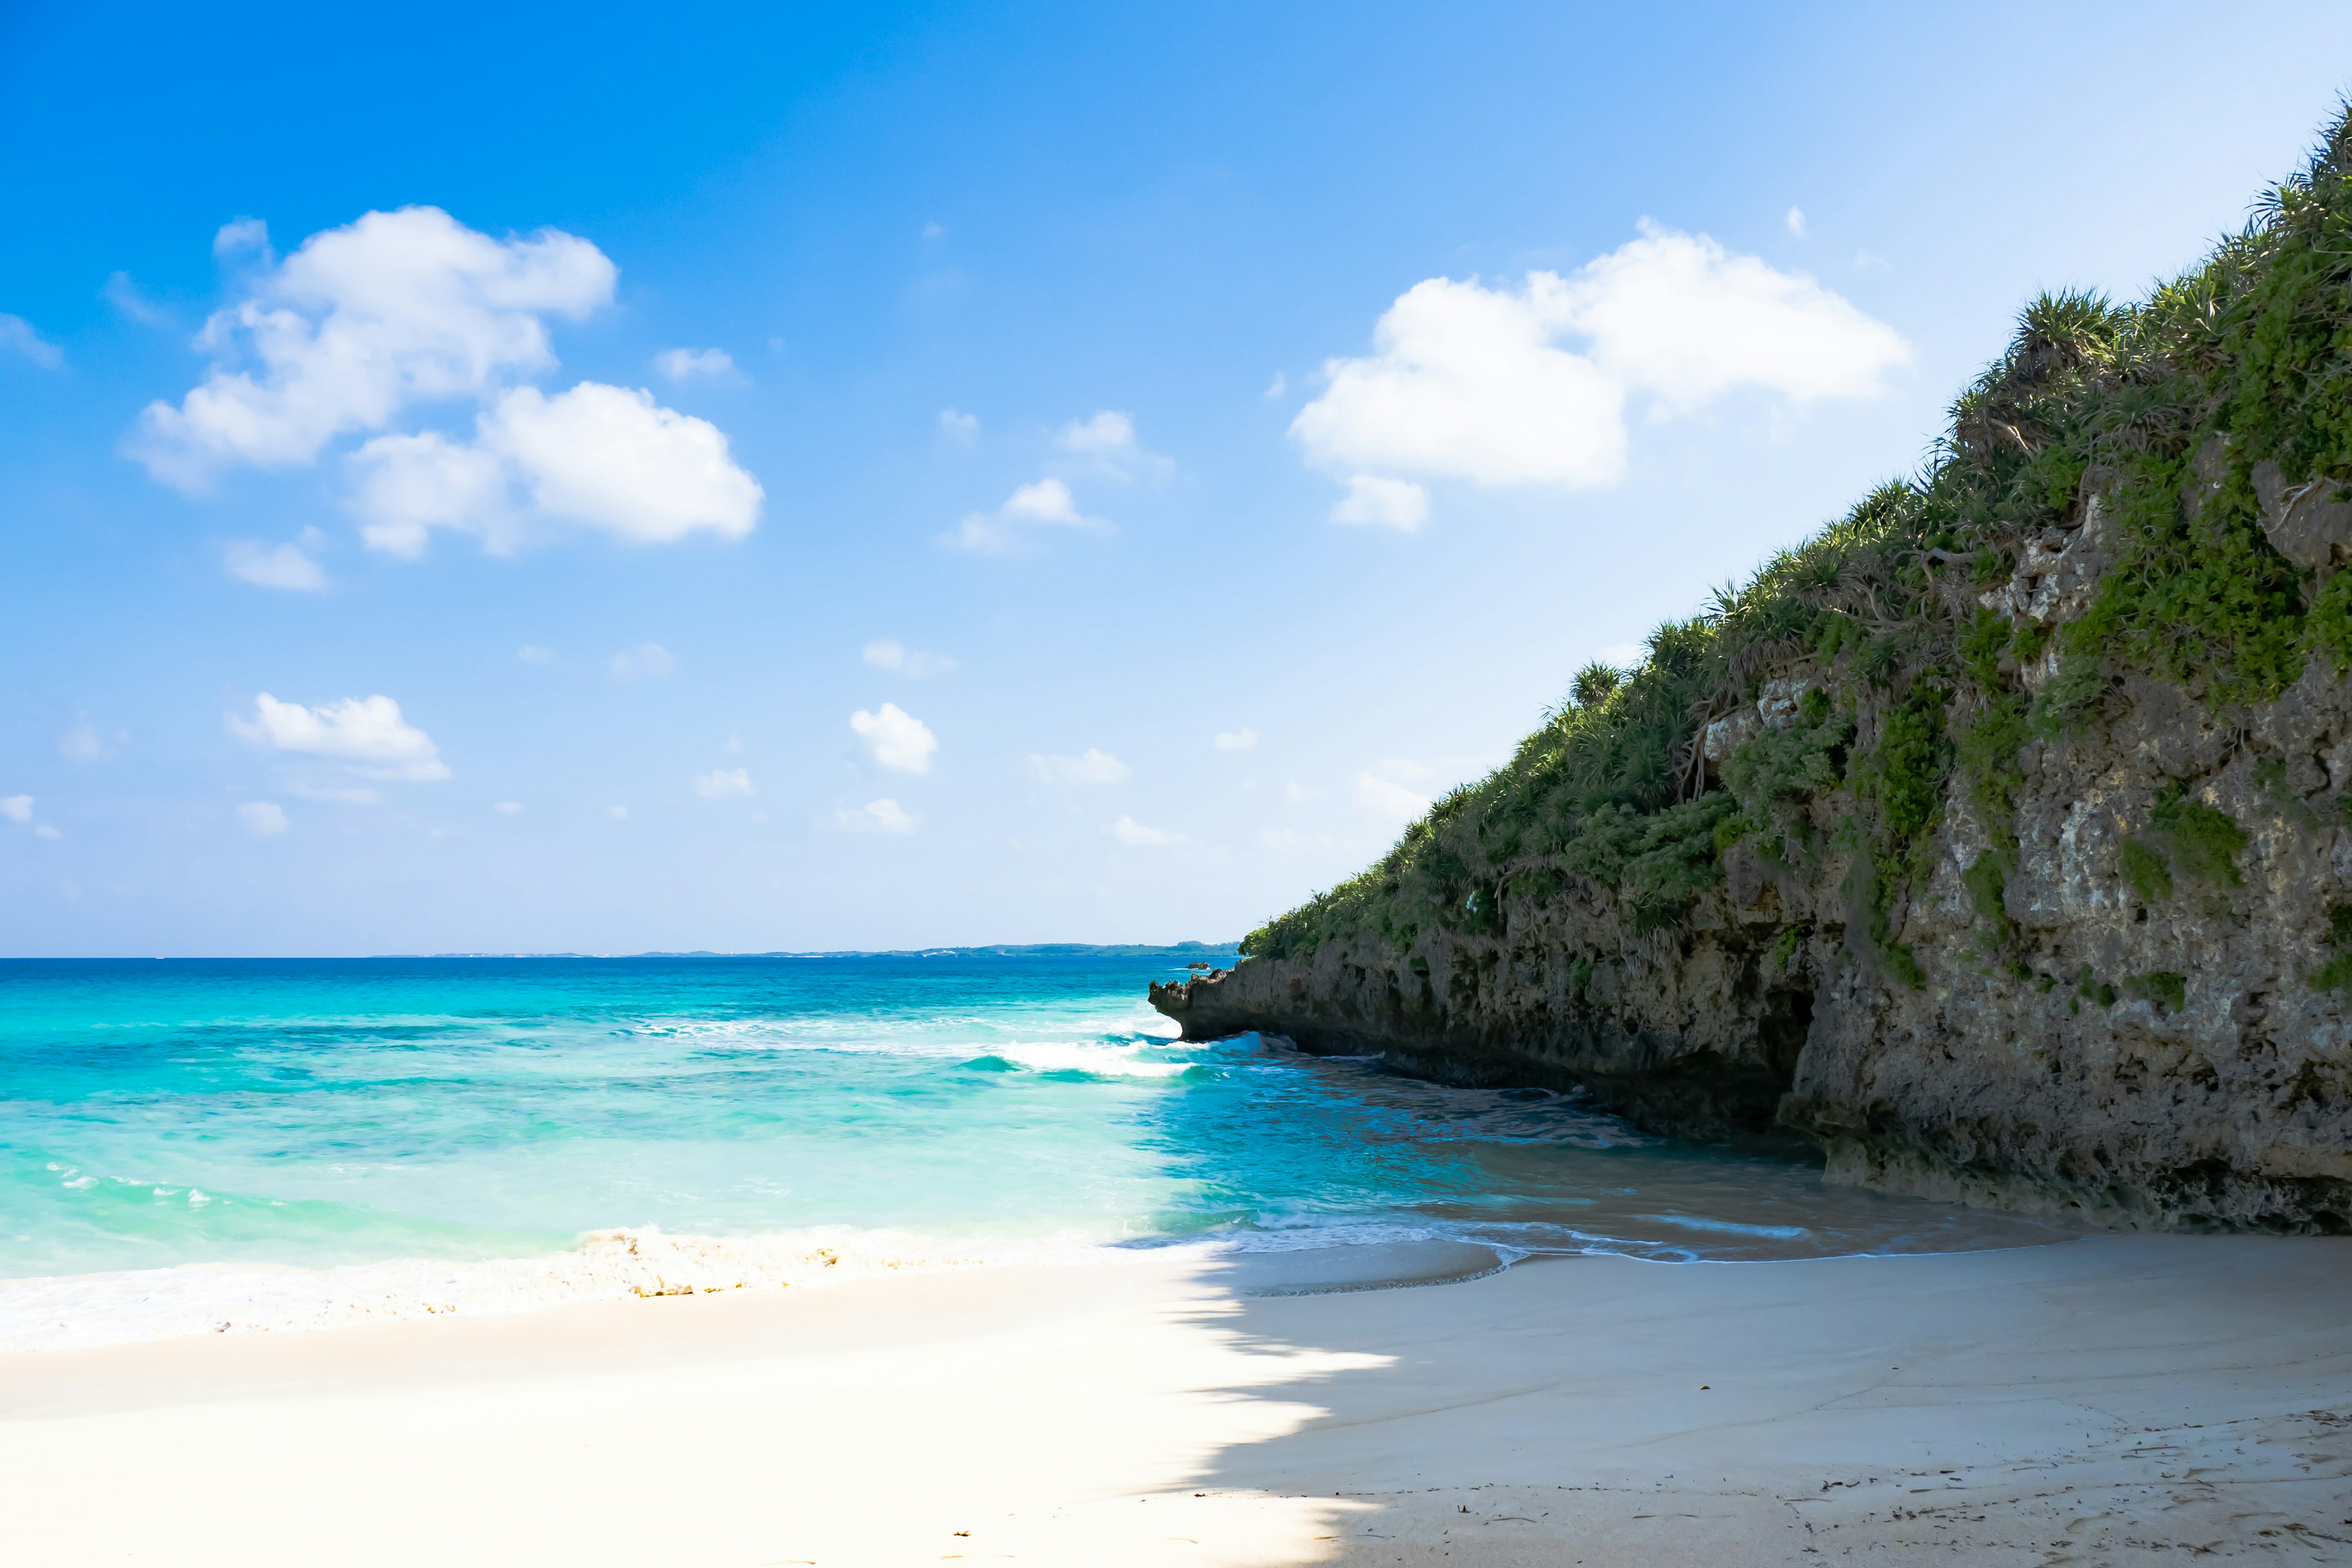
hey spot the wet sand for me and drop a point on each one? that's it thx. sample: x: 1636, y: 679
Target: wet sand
x: 2112, y: 1400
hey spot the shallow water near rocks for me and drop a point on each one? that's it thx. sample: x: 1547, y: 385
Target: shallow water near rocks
x: 411, y: 1118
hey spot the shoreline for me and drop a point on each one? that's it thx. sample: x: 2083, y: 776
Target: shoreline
x: 2124, y: 1396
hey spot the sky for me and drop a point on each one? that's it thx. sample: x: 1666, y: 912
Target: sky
x: 536, y: 479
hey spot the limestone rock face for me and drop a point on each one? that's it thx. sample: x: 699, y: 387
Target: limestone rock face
x: 2150, y: 1052
x: 2310, y: 524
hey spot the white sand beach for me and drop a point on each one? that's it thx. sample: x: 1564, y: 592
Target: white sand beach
x: 2113, y: 1400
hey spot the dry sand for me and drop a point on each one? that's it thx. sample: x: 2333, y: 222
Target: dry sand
x: 2108, y: 1400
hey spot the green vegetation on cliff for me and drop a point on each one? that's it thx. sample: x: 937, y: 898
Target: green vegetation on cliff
x: 2222, y: 401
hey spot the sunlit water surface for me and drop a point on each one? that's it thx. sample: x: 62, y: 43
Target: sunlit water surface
x: 330, y: 1112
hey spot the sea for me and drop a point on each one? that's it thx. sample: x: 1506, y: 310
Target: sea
x: 192, y: 1146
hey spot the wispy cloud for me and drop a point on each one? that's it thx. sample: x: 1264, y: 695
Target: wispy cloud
x: 17, y: 336
x: 889, y: 653
x: 1090, y: 767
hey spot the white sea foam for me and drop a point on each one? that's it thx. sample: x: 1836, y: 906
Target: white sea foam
x: 1086, y: 1056
x: 77, y: 1311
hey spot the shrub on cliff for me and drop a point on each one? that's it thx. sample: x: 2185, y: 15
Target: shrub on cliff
x: 2174, y: 413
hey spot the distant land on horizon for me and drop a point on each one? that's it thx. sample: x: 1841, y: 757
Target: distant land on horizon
x: 994, y: 949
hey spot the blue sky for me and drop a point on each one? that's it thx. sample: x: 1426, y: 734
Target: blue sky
x: 841, y: 476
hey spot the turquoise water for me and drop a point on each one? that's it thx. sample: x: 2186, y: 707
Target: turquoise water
x: 333, y: 1112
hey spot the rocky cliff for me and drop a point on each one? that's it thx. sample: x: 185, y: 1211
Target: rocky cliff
x: 1999, y: 839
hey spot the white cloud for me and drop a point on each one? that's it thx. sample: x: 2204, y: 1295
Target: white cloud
x: 124, y: 294
x: 1235, y: 740
x: 361, y: 322
x: 17, y: 807
x: 723, y: 784
x: 262, y: 818
x: 17, y: 336
x: 602, y: 457
x: 1129, y: 831
x: 617, y: 812
x: 889, y: 653
x: 83, y: 743
x: 284, y: 567
x: 679, y: 364
x: 507, y: 807
x: 1107, y: 441
x: 898, y: 740
x: 1277, y: 386
x: 647, y: 659
x: 1297, y: 794
x: 1091, y: 767
x: 1472, y: 383
x: 1389, y: 801
x: 412, y: 308
x: 1046, y: 501
x: 1384, y: 503
x: 243, y: 236
x: 531, y: 652
x: 963, y: 429
x: 1624, y: 654
x: 875, y: 817
x: 366, y: 734
x: 1797, y: 222
x: 47, y: 830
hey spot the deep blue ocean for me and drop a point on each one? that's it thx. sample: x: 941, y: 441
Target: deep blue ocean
x: 325, y: 1112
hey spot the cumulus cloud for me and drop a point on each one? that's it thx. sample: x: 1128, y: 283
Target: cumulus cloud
x: 1090, y: 767
x: 679, y: 364
x: 723, y: 784
x: 507, y: 807
x: 1107, y: 442
x: 1235, y: 740
x: 366, y: 734
x: 875, y: 817
x: 1389, y: 801
x: 47, y: 830
x: 1520, y: 386
x: 889, y: 653
x: 1797, y: 222
x: 648, y: 661
x: 16, y: 807
x: 17, y: 336
x: 1129, y: 831
x: 411, y: 308
x: 1048, y: 501
x: 262, y: 818
x: 962, y: 428
x: 604, y: 458
x: 362, y: 322
x: 1384, y: 503
x: 617, y: 812
x: 280, y: 566
x: 899, y: 740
